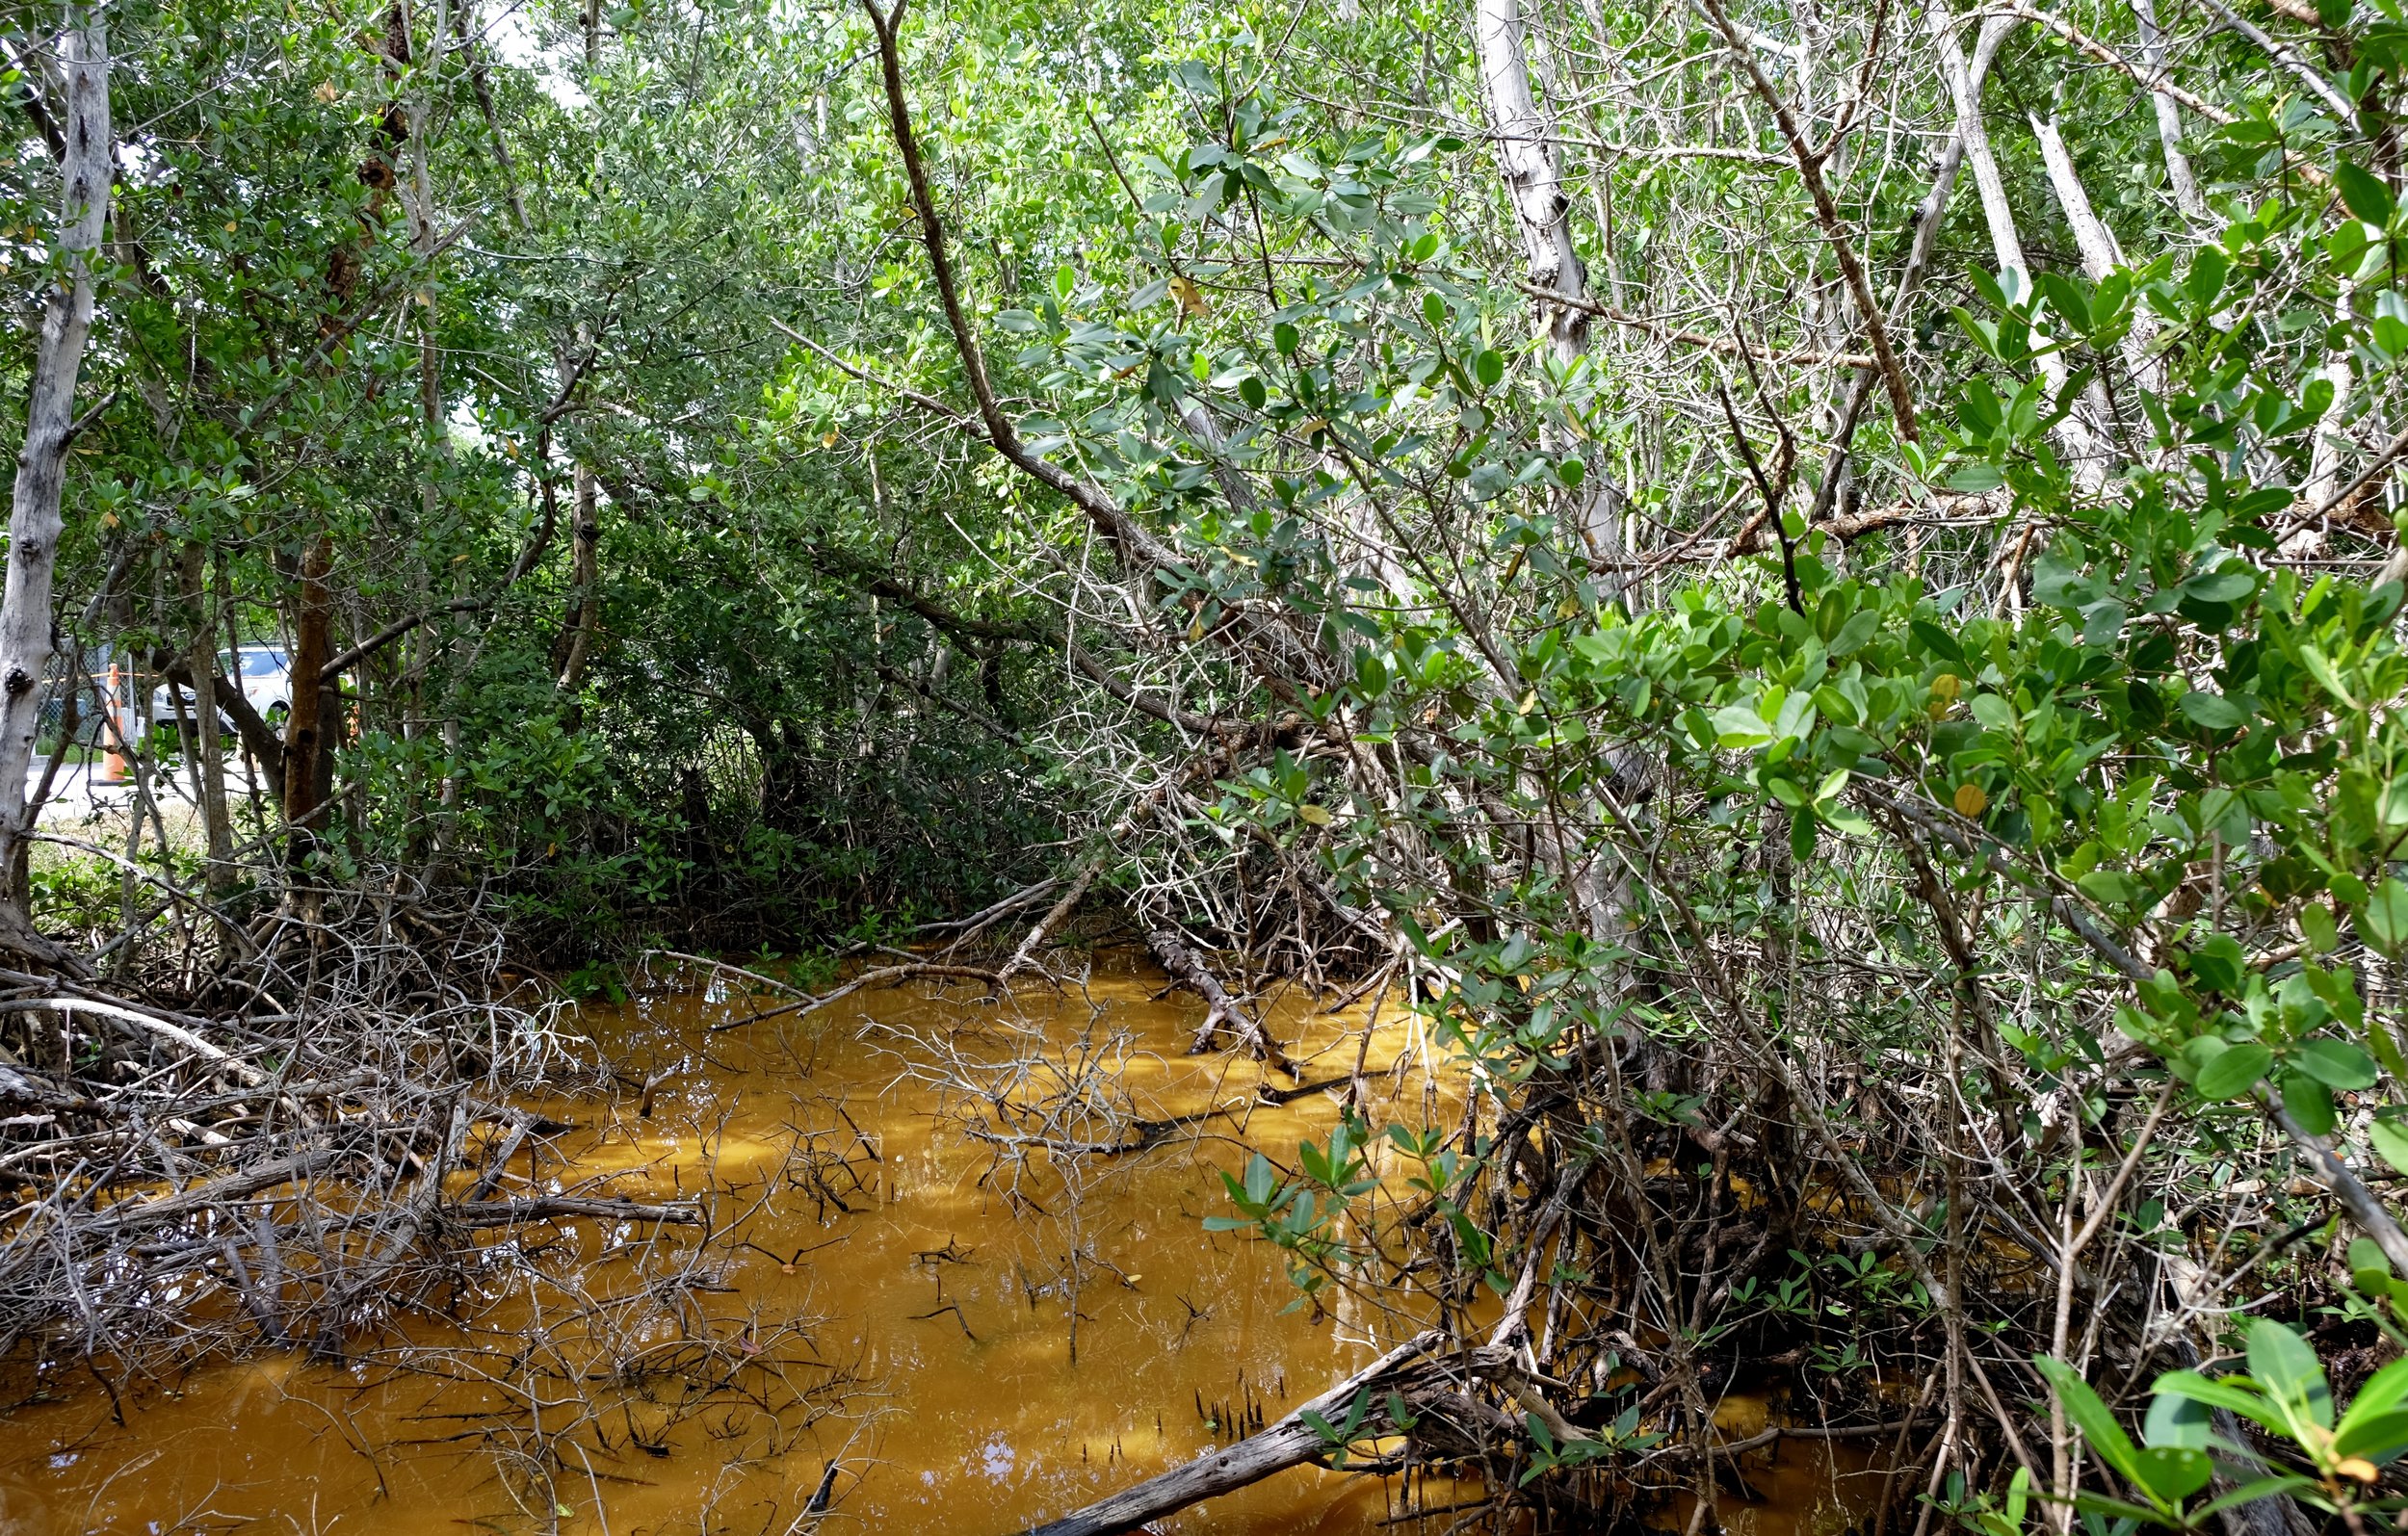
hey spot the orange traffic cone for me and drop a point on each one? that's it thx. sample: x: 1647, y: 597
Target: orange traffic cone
x: 113, y: 761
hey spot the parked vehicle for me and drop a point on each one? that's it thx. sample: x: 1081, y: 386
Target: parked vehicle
x: 265, y: 676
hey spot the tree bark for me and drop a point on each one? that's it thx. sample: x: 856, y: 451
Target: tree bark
x: 2083, y: 451
x: 1532, y: 169
x: 257, y: 735
x: 308, y: 765
x: 1533, y: 173
x: 1965, y: 89
x: 208, y: 768
x: 35, y: 520
x: 585, y: 559
x: 2100, y: 254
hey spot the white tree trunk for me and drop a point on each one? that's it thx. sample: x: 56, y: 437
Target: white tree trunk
x: 2178, y: 174
x: 1533, y: 172
x: 1532, y: 166
x: 2100, y: 252
x: 1965, y: 88
x: 2083, y: 452
x: 35, y: 522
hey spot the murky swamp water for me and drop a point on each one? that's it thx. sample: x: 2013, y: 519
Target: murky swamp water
x: 894, y: 1290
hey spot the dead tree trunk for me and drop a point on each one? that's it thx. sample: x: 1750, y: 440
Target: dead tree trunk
x: 1024, y: 956
x: 86, y: 154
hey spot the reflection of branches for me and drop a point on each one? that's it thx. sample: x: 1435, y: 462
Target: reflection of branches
x: 1047, y: 1106
x: 955, y: 1310
x: 580, y: 1371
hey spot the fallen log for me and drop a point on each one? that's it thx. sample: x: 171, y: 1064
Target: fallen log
x: 195, y: 1198
x: 174, y: 1034
x: 553, y: 1207
x: 1220, y: 1010
x: 1292, y: 1441
x: 884, y: 977
x: 1024, y: 956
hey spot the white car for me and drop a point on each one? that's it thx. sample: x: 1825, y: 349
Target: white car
x: 266, y: 681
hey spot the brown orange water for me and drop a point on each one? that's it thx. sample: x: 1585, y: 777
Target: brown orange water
x: 975, y: 1420
x: 905, y: 1317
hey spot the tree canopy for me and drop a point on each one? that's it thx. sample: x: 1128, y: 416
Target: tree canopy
x: 1817, y: 588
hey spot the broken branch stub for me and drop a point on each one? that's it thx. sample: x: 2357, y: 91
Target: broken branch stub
x: 1220, y: 1010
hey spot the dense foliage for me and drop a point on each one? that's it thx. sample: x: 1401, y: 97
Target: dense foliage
x: 1816, y: 589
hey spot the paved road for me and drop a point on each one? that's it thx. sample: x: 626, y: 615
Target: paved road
x: 80, y: 791
x: 80, y: 794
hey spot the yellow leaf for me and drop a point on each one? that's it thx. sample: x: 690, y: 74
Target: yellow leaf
x: 1971, y: 799
x: 1312, y: 815
x: 1191, y: 298
x: 327, y: 90
x: 828, y: 439
x: 2358, y: 1467
x: 1946, y: 686
x: 229, y: 226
